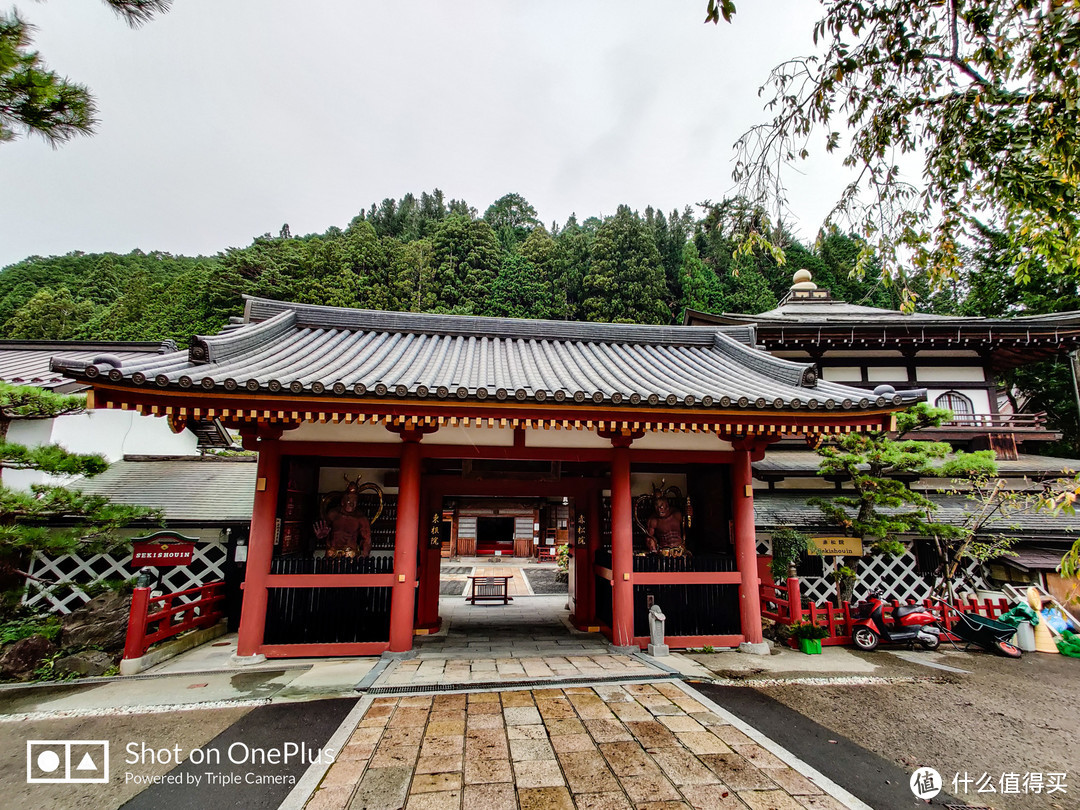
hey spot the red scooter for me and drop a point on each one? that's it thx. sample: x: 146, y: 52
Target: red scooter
x: 910, y: 624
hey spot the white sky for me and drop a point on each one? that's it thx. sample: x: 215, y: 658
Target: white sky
x: 223, y: 119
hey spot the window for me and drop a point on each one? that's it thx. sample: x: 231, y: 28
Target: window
x: 957, y: 403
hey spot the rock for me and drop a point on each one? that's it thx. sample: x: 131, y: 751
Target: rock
x: 20, y: 658
x: 101, y: 622
x: 87, y: 663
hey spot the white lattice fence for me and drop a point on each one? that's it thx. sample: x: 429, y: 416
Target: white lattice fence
x: 207, y: 565
x: 894, y: 577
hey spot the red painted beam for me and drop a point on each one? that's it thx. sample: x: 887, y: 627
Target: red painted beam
x: 600, y: 571
x: 323, y: 650
x: 330, y: 581
x: 687, y: 578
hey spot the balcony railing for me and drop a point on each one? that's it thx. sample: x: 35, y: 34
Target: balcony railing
x: 994, y: 423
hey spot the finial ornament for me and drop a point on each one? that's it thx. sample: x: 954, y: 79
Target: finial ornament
x: 803, y: 280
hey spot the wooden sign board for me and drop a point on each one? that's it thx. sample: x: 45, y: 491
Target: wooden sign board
x: 836, y: 546
x: 162, y: 549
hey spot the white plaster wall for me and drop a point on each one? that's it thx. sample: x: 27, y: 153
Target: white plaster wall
x: 842, y: 373
x: 926, y: 374
x: 886, y: 373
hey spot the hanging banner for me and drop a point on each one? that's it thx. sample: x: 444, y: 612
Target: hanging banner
x: 836, y: 546
x: 162, y: 549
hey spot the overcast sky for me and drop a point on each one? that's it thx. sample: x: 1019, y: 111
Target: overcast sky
x: 223, y: 119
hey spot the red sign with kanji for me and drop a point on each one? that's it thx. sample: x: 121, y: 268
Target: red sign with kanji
x: 162, y: 553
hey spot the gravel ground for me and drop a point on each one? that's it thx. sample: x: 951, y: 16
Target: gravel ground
x: 1005, y: 716
x: 543, y: 581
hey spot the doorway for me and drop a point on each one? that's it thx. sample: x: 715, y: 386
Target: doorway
x: 495, y: 536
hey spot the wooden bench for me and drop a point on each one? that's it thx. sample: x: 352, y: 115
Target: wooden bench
x: 490, y: 589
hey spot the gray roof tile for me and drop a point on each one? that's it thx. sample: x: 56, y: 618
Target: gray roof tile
x: 304, y: 349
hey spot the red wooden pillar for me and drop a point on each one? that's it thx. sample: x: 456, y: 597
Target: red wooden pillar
x: 260, y: 548
x: 403, y: 595
x: 746, y: 545
x: 622, y: 547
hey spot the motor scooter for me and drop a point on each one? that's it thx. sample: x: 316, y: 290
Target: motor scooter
x: 910, y: 624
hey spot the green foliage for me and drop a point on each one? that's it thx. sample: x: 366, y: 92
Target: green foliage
x: 36, y: 100
x: 33, y: 624
x: 29, y: 402
x: 52, y: 314
x: 983, y: 93
x: 521, y: 290
x: 511, y: 217
x: 787, y: 546
x: 625, y: 282
x: 562, y: 558
x: 806, y: 631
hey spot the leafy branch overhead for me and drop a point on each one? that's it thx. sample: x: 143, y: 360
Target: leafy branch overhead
x: 37, y: 100
x: 985, y: 96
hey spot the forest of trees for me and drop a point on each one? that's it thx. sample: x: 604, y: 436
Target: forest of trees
x: 430, y: 254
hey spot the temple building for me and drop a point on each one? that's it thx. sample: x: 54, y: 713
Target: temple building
x: 385, y: 438
x: 957, y: 361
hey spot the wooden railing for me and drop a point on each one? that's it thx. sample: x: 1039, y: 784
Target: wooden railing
x: 171, y: 615
x: 783, y: 604
x: 994, y: 422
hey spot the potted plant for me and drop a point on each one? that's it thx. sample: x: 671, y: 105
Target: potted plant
x: 808, y: 636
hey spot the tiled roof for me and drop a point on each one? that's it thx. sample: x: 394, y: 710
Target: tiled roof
x: 773, y: 509
x: 297, y: 349
x: 190, y: 490
x: 26, y: 362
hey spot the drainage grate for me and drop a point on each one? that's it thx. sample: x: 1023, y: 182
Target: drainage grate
x: 523, y: 684
x: 967, y: 807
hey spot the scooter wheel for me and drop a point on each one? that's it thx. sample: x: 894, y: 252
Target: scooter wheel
x: 1007, y: 649
x: 930, y: 645
x: 865, y: 639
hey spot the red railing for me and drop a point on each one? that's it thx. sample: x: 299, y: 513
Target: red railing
x: 783, y: 605
x: 171, y: 615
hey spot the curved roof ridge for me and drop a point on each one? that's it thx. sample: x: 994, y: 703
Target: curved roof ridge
x: 223, y: 346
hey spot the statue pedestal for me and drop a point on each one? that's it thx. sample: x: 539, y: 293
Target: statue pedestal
x: 659, y: 649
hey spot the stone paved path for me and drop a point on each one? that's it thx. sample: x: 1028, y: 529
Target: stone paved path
x: 645, y: 746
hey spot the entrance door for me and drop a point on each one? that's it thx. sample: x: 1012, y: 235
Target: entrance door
x: 495, y: 536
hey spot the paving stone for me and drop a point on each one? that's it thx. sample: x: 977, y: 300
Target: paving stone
x: 521, y: 750
x: 445, y: 728
x: 403, y: 735
x: 821, y: 802
x: 769, y: 800
x: 416, y: 701
x: 380, y: 710
x: 374, y: 722
x: 440, y: 764
x: 443, y: 702
x: 649, y: 788
x: 435, y: 782
x: 485, y: 708
x: 330, y: 798
x: 447, y: 800
x: 442, y: 746
x: 681, y: 722
x: 590, y: 707
x: 652, y: 734
x: 538, y: 774
x: 759, y: 757
x: 629, y: 759
x: 382, y: 789
x: 605, y: 731
x: 731, y: 735
x: 709, y: 719
x: 395, y: 756
x: 793, y: 782
x: 526, y: 733
x: 552, y: 798
x: 559, y: 727
x: 737, y: 773
x: 482, y: 771
x: 483, y: 697
x: 489, y: 797
x: 438, y: 715
x: 661, y: 707
x: 565, y: 743
x: 682, y: 767
x: 521, y: 698
x: 344, y: 772
x: 586, y: 771
x: 614, y: 800
x: 362, y: 736
x: 494, y: 720
x: 556, y: 709
x: 409, y: 717
x: 486, y: 744
x: 522, y: 716
x: 640, y: 689
x: 702, y: 742
x: 357, y: 751
x: 631, y: 712
x: 712, y: 797
x: 662, y: 806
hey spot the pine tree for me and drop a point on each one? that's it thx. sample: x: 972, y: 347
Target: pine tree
x: 625, y: 282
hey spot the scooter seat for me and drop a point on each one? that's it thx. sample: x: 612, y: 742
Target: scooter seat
x: 904, y: 610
